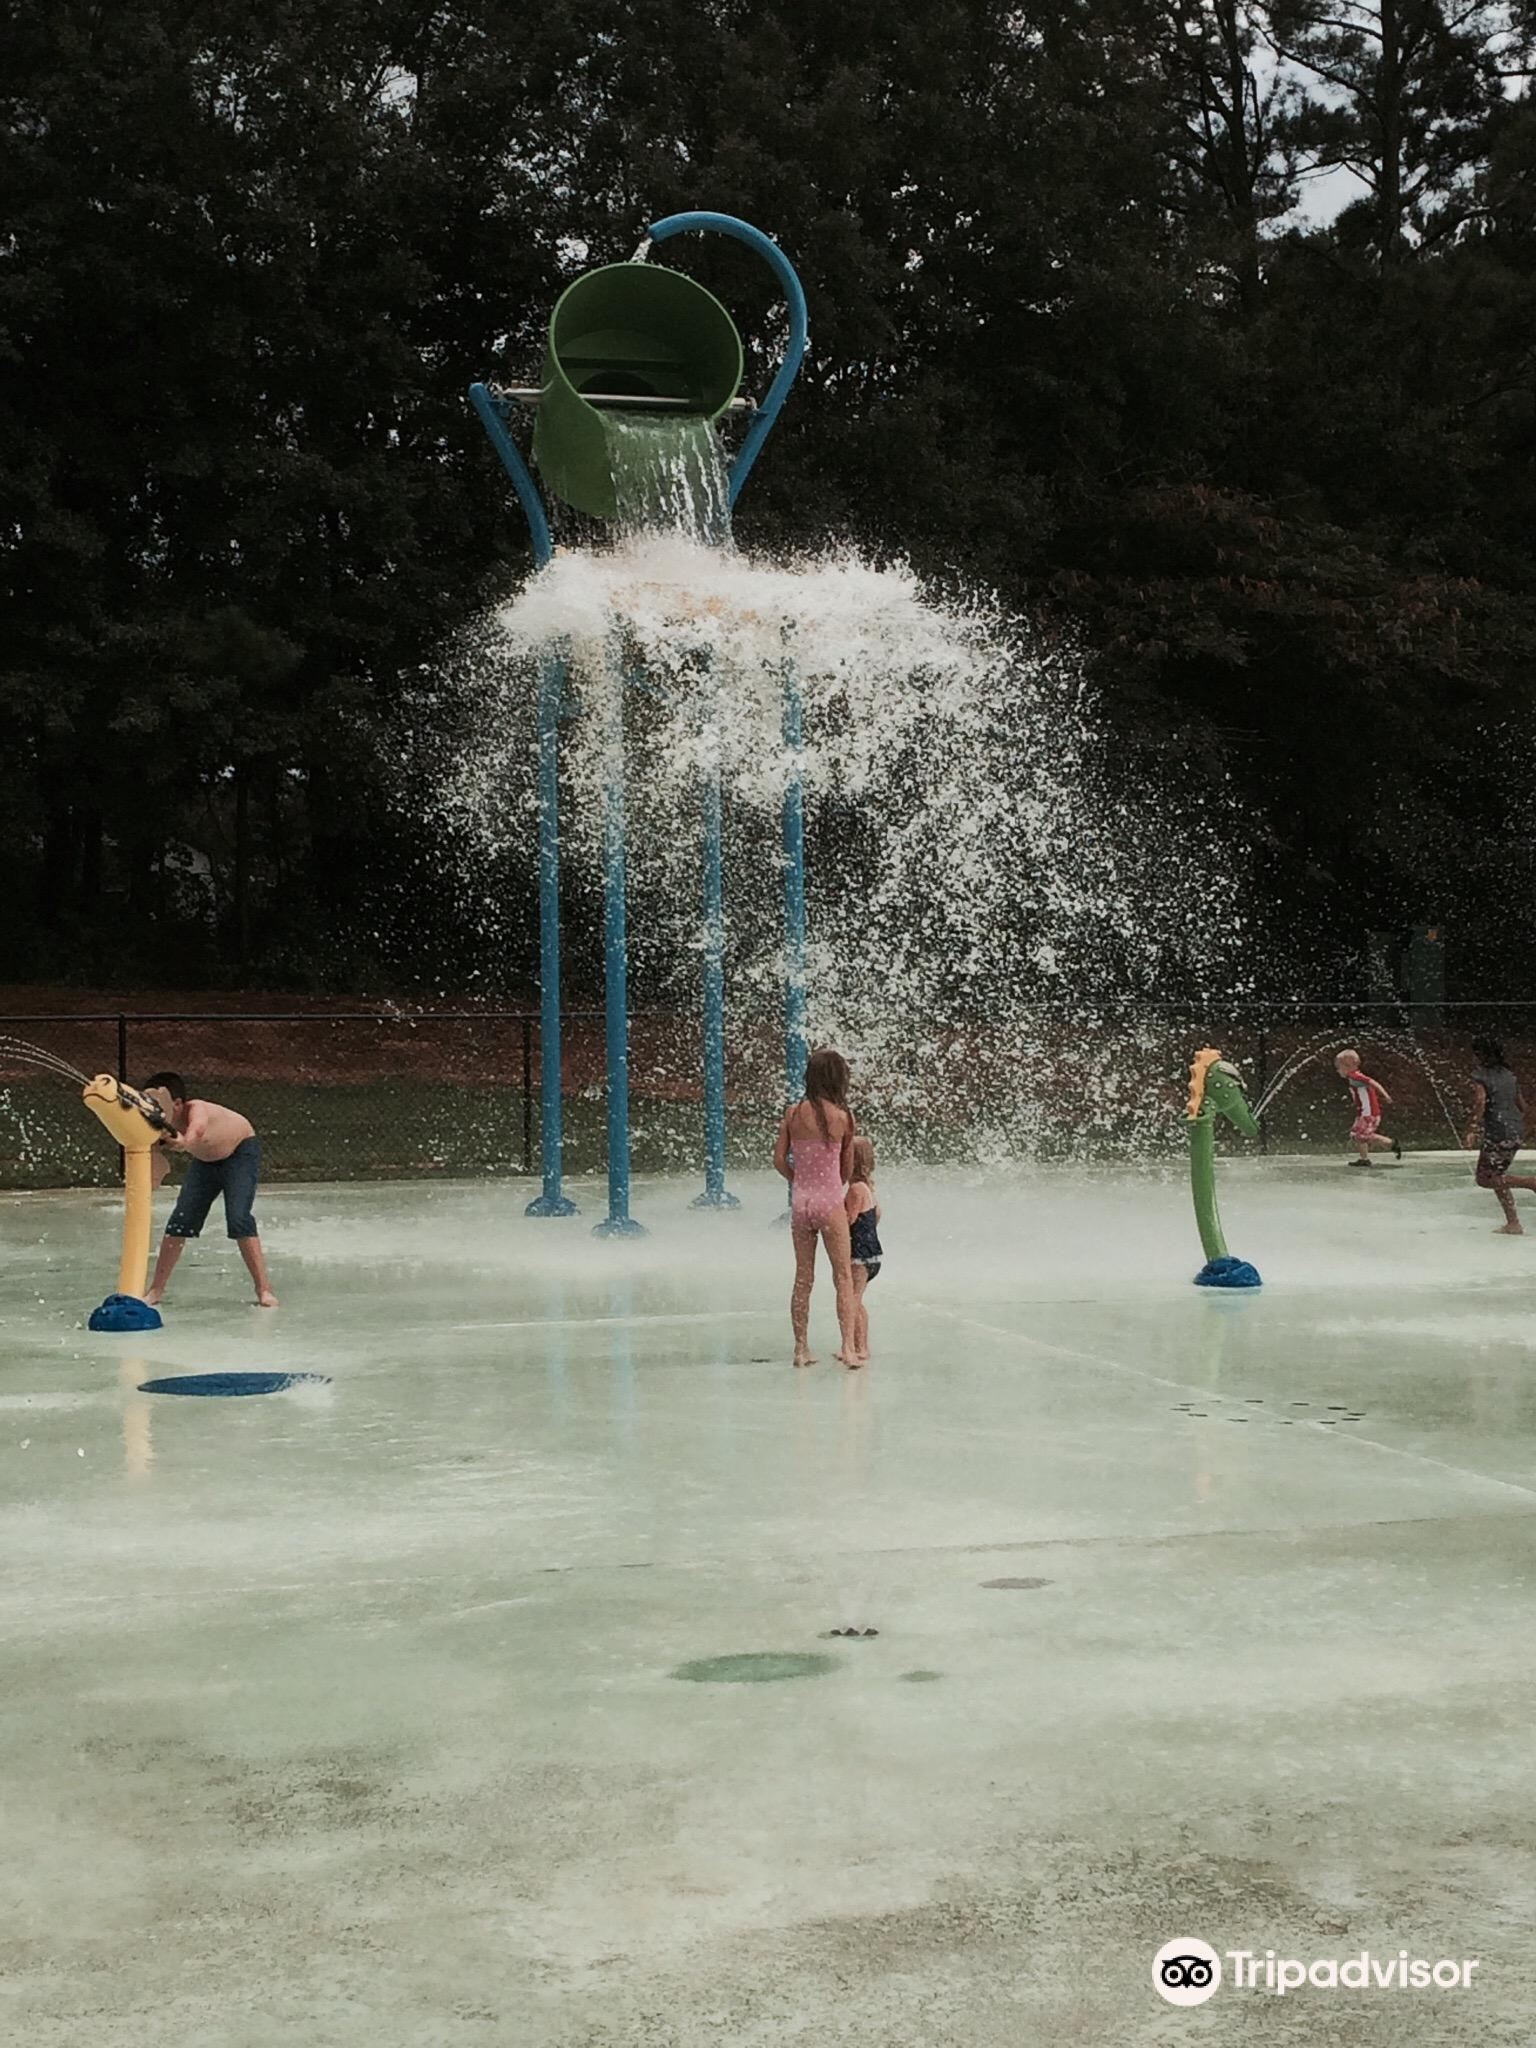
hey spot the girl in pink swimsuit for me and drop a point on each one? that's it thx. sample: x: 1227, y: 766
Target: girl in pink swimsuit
x: 814, y: 1153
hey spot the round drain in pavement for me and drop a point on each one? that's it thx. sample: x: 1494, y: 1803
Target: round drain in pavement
x: 755, y: 1667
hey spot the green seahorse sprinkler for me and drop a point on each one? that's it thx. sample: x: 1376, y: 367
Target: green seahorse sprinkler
x: 1215, y: 1089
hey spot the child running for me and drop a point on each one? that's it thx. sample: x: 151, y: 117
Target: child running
x: 225, y: 1159
x: 1369, y: 1098
x: 863, y: 1237
x: 1498, y: 1120
x: 814, y: 1154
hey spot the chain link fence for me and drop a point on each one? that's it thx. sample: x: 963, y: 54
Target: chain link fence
x: 335, y: 1095
x: 356, y: 1095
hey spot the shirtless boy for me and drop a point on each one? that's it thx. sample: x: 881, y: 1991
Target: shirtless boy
x: 224, y: 1158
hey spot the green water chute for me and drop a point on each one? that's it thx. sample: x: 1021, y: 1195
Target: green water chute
x: 632, y: 331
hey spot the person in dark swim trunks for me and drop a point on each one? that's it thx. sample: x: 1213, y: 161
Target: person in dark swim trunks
x: 1498, y: 1128
x: 864, y: 1237
x: 225, y: 1159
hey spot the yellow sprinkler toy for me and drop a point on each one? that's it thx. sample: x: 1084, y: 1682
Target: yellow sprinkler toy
x: 138, y: 1124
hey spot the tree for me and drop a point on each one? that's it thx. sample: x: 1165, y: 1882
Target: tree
x: 1404, y: 95
x: 1070, y: 339
x: 1234, y: 109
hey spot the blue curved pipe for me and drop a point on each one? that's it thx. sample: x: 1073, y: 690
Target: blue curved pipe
x: 553, y: 1201
x: 742, y: 231
x: 493, y: 419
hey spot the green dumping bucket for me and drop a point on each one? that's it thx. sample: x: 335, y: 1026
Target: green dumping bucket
x: 630, y: 331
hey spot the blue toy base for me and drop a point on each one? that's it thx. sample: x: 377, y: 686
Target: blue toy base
x: 552, y: 1205
x: 234, y: 1384
x: 1228, y: 1272
x: 619, y: 1226
x: 717, y: 1200
x: 120, y: 1312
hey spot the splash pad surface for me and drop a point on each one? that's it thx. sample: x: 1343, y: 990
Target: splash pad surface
x: 351, y: 1716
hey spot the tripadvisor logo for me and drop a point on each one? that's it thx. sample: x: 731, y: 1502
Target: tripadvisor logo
x: 1188, y: 1971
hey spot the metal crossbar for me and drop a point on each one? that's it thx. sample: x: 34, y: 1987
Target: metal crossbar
x: 533, y: 395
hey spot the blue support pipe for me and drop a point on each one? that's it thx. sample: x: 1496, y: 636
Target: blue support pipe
x: 794, y: 293
x: 552, y: 1201
x: 796, y: 1050
x: 618, y: 1222
x: 714, y: 1195
x: 493, y: 418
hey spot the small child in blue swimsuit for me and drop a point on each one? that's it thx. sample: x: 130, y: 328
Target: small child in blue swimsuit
x: 864, y: 1239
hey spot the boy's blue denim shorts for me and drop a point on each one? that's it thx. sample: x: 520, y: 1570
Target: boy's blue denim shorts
x: 234, y: 1178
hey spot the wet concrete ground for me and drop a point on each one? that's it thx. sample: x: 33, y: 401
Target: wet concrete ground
x: 488, y: 1693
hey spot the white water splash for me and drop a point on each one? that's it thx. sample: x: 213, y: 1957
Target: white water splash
x: 990, y: 872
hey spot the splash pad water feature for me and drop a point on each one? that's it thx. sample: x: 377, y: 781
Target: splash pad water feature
x: 138, y: 1125
x: 1215, y: 1090
x: 979, y: 835
x: 622, y: 341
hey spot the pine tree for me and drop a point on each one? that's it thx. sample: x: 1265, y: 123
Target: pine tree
x: 1403, y: 95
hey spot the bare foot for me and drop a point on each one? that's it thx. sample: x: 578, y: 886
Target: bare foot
x: 154, y: 1297
x: 1510, y: 1230
x: 805, y: 1358
x: 848, y: 1358
x: 266, y: 1299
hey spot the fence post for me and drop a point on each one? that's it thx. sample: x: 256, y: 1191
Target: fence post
x: 122, y: 1075
x: 527, y: 1094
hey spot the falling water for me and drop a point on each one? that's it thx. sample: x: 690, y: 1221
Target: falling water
x: 668, y: 473
x: 992, y: 871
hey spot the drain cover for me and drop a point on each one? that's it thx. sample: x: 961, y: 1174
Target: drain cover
x: 755, y: 1667
x: 233, y: 1384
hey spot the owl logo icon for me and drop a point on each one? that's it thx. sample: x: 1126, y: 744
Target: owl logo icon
x: 1186, y: 1971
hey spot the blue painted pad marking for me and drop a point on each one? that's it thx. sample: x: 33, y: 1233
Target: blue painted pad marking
x: 234, y: 1383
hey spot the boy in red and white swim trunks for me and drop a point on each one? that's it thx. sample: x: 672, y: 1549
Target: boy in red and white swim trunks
x: 1370, y: 1098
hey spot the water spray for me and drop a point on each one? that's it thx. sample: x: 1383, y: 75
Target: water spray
x: 138, y: 1124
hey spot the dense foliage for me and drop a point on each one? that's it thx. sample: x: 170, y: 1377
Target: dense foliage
x: 1078, y: 332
